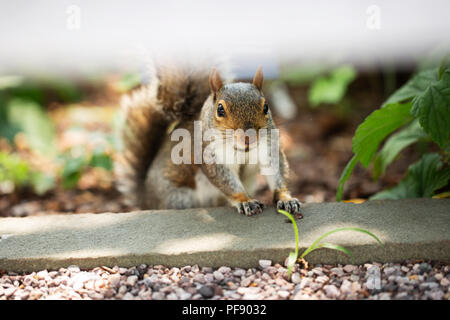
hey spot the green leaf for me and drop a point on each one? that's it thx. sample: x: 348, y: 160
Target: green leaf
x: 302, y: 74
x: 72, y: 171
x: 13, y: 169
x: 291, y: 262
x: 101, y: 160
x: 334, y: 247
x: 293, y: 255
x: 423, y: 178
x: 317, y: 242
x: 331, y: 89
x: 345, y: 176
x: 29, y: 117
x: 417, y: 85
x: 129, y: 81
x: 10, y: 81
x: 395, y: 144
x: 294, y: 224
x: 376, y: 127
x: 432, y: 107
x: 42, y: 183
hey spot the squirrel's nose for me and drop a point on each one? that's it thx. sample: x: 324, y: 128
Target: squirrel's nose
x: 246, y: 140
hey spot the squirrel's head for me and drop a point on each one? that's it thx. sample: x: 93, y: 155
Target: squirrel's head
x: 239, y: 106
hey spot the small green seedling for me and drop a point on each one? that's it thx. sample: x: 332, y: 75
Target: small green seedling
x: 293, y: 256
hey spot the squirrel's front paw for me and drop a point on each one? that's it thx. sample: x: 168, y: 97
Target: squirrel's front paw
x: 250, y: 208
x: 292, y: 205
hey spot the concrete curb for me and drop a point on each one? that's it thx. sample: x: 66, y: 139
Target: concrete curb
x: 413, y: 228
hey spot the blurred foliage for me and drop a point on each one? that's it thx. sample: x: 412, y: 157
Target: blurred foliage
x: 17, y: 173
x: 74, y: 166
x: 128, y: 82
x: 28, y: 117
x: 331, y: 88
x: 22, y: 111
x: 326, y: 87
x: 422, y: 180
x: 422, y: 109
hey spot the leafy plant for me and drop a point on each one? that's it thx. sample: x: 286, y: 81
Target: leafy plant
x: 317, y: 244
x: 331, y: 88
x: 421, y: 110
x: 326, y: 86
x: 28, y: 117
x: 74, y: 166
x: 18, y: 172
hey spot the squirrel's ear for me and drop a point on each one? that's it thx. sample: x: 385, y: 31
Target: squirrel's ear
x: 215, y: 81
x: 258, y: 78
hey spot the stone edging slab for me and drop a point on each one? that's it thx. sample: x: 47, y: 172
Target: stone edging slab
x: 413, y: 228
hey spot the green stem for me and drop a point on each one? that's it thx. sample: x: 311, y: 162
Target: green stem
x: 287, y: 214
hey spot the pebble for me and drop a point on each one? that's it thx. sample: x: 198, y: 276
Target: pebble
x: 295, y: 278
x: 337, y: 271
x: 284, y: 294
x: 306, y: 282
x: 397, y: 281
x: 250, y: 296
x: 158, y: 296
x: 246, y: 282
x: 346, y: 287
x: 218, y: 275
x: 402, y: 296
x: 224, y: 270
x: 354, y: 277
x: 322, y: 279
x: 114, y: 280
x: 384, y: 296
x: 199, y: 277
x: 206, y: 292
x: 349, y: 268
x: 73, y: 268
x: 331, y: 291
x: 209, y: 277
x: 388, y: 271
x: 132, y: 280
x: 424, y: 267
x: 438, y: 276
x: 239, y: 273
x: 428, y: 285
x: 265, y: 263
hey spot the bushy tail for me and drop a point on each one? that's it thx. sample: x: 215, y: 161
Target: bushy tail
x: 175, y: 92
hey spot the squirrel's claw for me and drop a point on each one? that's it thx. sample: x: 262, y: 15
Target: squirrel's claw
x: 292, y: 205
x: 250, y: 208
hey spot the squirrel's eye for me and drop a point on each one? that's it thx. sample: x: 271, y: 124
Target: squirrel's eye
x: 220, y: 110
x: 266, y: 108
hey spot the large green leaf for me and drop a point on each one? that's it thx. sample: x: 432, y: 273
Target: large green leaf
x: 72, y: 170
x: 395, y: 144
x: 417, y: 85
x: 423, y: 178
x: 432, y: 107
x: 345, y: 176
x: 331, y: 89
x: 376, y: 127
x: 29, y: 117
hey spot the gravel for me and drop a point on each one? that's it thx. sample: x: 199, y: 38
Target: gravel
x: 406, y: 281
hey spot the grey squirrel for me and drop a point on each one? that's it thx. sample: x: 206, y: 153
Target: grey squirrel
x: 175, y: 97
